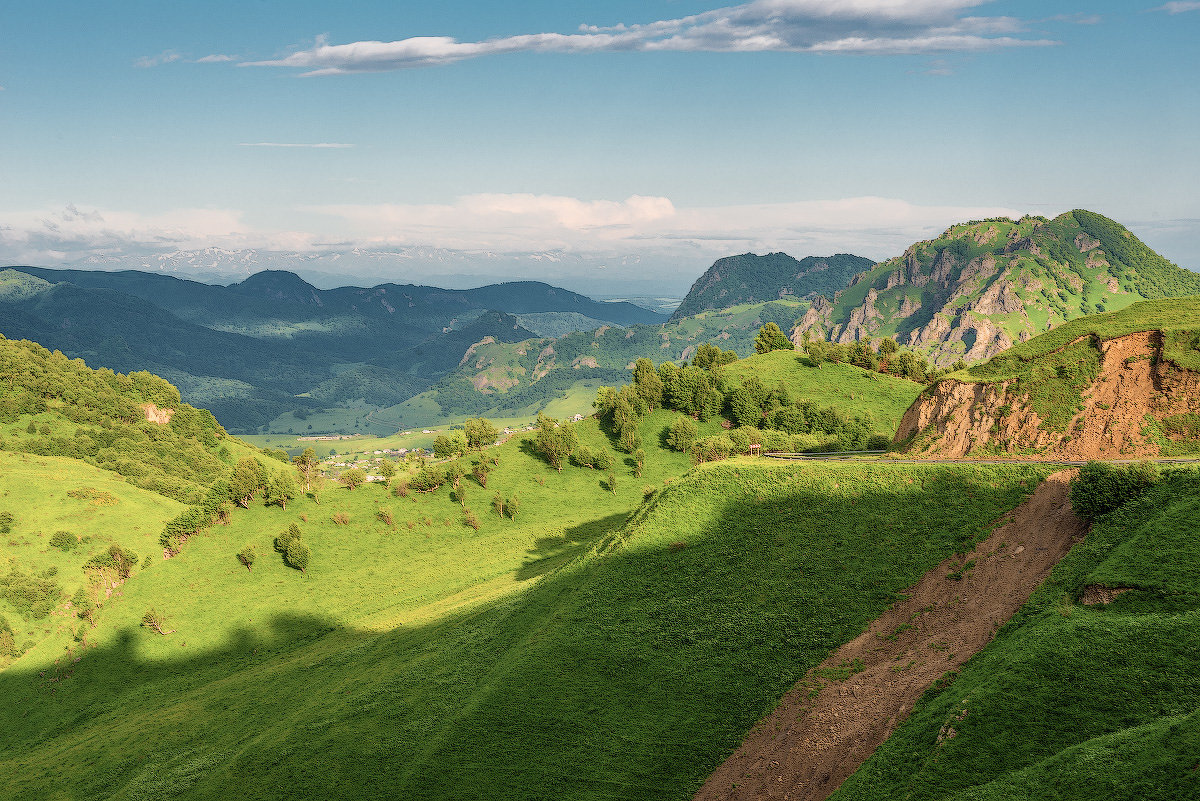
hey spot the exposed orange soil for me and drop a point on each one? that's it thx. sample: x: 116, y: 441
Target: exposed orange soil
x: 1133, y: 382
x: 825, y: 728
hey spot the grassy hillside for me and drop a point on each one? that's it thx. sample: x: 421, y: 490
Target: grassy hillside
x: 982, y: 286
x: 612, y: 655
x: 93, y: 509
x: 849, y: 389
x: 1074, y: 701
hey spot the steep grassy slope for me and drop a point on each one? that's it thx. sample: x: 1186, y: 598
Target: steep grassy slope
x: 749, y: 278
x: 611, y: 656
x: 982, y: 286
x: 1074, y: 701
x: 1113, y: 385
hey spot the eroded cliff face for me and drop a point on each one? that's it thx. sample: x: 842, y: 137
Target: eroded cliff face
x: 957, y: 419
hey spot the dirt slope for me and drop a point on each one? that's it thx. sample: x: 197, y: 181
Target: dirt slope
x: 955, y: 418
x: 815, y: 739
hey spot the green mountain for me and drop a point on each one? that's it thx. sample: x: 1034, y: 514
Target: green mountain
x: 984, y: 285
x: 275, y: 343
x: 754, y: 279
x: 505, y: 378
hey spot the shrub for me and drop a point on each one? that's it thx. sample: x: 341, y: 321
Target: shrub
x: 498, y: 504
x: 31, y: 596
x: 612, y: 482
x: 681, y: 434
x: 288, y: 537
x: 247, y: 556
x: 604, y: 459
x: 296, y: 555
x: 512, y: 506
x: 1100, y: 487
x: 400, y: 488
x: 6, y: 521
x: 584, y: 457
x: 711, y: 449
x: 8, y: 642
x: 385, y: 516
x: 154, y: 620
x: 63, y: 540
x: 341, y: 519
x: 740, y: 440
x: 354, y: 477
x: 117, y: 559
x: 84, y: 606
x: 470, y: 519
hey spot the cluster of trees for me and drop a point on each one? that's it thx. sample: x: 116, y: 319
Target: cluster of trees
x: 882, y: 356
x: 290, y: 545
x: 476, y: 434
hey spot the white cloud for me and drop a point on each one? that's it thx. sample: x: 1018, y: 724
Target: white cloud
x: 637, y: 227
x: 71, y: 233
x: 321, y: 145
x: 519, y: 222
x: 878, y: 27
x: 1180, y: 6
x: 165, y: 57
x: 215, y: 58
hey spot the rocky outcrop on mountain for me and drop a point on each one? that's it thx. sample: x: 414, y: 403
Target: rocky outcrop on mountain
x: 1138, y: 403
x: 983, y: 285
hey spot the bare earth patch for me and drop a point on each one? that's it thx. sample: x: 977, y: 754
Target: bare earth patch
x: 836, y: 717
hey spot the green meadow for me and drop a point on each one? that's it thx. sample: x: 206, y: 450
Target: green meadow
x: 602, y: 644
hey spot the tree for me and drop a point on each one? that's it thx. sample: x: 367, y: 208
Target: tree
x: 681, y: 434
x: 639, y: 458
x: 287, y: 537
x: 770, y: 338
x: 498, y: 504
x: 612, y: 482
x: 480, y: 432
x: 480, y: 470
x: 281, y: 488
x: 815, y: 350
x: 743, y: 408
x: 647, y: 382
x: 512, y: 506
x: 387, y: 470
x: 296, y: 555
x: 887, y: 347
x: 247, y: 556
x: 306, y: 466
x: 354, y: 477
x: 247, y: 479
x: 554, y: 441
x: 447, y: 446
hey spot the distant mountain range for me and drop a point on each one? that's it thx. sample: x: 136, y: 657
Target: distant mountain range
x: 755, y: 279
x: 274, y: 342
x: 328, y: 268
x: 984, y: 285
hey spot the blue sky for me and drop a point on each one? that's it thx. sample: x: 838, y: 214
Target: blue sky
x: 677, y: 128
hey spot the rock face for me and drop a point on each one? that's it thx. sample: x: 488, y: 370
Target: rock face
x: 957, y: 419
x: 981, y: 286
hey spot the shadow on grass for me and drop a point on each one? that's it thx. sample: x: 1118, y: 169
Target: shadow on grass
x: 549, y: 553
x: 632, y: 674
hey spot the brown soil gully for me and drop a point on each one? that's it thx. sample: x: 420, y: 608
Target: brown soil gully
x: 808, y: 746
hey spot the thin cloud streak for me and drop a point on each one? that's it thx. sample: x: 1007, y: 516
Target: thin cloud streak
x: 1179, y: 7
x: 318, y: 145
x: 864, y: 27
